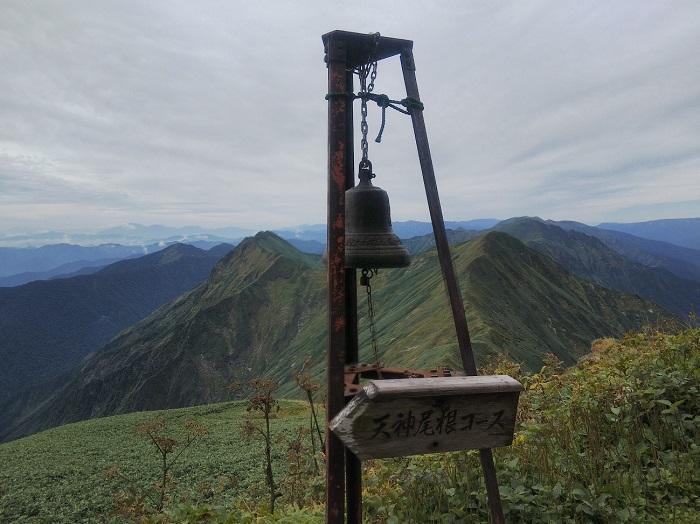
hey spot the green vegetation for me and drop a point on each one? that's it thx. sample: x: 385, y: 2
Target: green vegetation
x: 59, y: 475
x: 612, y: 439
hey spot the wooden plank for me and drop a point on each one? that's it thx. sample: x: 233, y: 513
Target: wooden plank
x: 442, y: 386
x: 392, y: 418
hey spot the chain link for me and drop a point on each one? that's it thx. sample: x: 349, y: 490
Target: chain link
x: 367, y: 275
x: 367, y: 70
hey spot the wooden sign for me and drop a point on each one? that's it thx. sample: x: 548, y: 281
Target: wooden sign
x: 413, y: 416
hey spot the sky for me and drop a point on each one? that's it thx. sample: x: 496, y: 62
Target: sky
x: 213, y: 113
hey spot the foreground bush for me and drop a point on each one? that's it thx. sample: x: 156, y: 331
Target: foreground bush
x: 614, y: 439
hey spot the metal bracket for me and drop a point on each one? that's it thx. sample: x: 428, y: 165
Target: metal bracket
x: 354, y: 372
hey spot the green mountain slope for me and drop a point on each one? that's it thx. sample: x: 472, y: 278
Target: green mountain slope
x: 262, y: 312
x: 47, y: 327
x: 590, y: 258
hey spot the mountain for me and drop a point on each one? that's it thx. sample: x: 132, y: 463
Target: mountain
x: 47, y: 327
x: 221, y: 250
x: 590, y: 258
x: 263, y: 311
x: 682, y: 261
x: 680, y: 231
x: 71, y: 269
x: 417, y: 245
x: 14, y: 260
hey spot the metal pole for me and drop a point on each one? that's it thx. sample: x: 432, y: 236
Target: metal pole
x: 448, y: 273
x: 336, y: 56
x: 353, y: 466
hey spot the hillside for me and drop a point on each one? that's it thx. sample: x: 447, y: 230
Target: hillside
x: 590, y: 258
x: 262, y: 312
x: 59, y: 475
x: 519, y: 302
x: 636, y: 461
x: 680, y: 231
x: 47, y: 327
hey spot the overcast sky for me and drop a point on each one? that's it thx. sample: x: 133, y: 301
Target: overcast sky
x: 212, y: 113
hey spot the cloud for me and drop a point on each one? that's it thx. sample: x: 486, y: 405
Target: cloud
x: 212, y: 112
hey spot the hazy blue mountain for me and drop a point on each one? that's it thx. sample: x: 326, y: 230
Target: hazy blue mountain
x: 129, y: 234
x: 588, y: 257
x: 15, y: 260
x: 682, y: 261
x: 47, y: 326
x: 221, y: 250
x: 71, y: 269
x: 680, y: 231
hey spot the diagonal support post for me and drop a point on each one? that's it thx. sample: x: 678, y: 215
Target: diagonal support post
x: 448, y: 272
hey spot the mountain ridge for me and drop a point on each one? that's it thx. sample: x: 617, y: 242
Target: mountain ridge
x: 46, y: 327
x: 590, y: 258
x: 262, y: 312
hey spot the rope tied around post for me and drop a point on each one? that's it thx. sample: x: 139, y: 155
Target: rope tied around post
x: 384, y: 102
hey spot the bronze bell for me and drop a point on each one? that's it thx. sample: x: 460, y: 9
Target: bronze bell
x: 369, y: 239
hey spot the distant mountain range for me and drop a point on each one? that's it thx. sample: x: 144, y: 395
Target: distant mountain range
x: 19, y: 265
x: 46, y: 259
x: 683, y: 232
x: 682, y: 261
x: 263, y: 310
x: 70, y: 269
x: 129, y: 234
x: 47, y: 327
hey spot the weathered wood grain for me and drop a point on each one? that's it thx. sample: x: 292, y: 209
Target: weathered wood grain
x: 391, y: 418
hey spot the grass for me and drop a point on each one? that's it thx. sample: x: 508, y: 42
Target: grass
x: 58, y: 475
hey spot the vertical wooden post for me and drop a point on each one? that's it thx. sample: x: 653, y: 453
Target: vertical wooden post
x: 448, y: 273
x: 336, y: 56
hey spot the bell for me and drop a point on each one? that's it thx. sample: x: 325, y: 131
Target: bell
x: 369, y: 239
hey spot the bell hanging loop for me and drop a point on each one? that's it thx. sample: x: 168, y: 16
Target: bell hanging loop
x: 370, y: 241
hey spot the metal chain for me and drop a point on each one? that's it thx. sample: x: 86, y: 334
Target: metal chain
x: 367, y: 70
x: 367, y: 275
